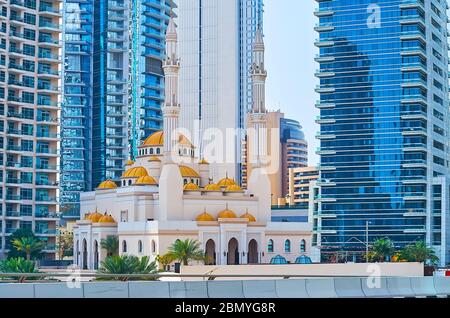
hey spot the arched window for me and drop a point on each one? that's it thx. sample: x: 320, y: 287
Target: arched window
x: 153, y: 247
x: 124, y: 246
x: 158, y: 151
x: 270, y: 246
x: 140, y: 248
x: 303, y: 246
x: 130, y: 182
x: 151, y: 151
x: 185, y: 181
x: 287, y: 246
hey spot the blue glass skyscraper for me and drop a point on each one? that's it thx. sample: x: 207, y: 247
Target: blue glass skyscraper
x: 383, y: 124
x: 112, y: 88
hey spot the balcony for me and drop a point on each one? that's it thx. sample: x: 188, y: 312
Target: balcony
x: 47, y: 10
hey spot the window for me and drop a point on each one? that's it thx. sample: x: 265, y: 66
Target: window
x: 124, y: 246
x: 153, y: 247
x: 303, y: 246
x: 140, y: 248
x: 124, y: 216
x: 287, y: 246
x: 270, y: 246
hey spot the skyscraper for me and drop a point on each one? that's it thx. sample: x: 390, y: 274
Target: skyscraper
x: 216, y: 40
x: 112, y: 88
x: 384, y: 124
x: 29, y: 107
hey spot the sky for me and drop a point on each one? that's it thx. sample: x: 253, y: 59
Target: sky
x: 290, y: 51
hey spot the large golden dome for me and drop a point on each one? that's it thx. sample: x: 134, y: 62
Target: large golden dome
x: 108, y: 184
x: 157, y: 139
x: 187, y: 172
x: 227, y: 214
x: 205, y: 217
x: 135, y: 172
x: 146, y: 180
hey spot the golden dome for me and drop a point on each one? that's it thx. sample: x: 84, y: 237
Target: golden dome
x: 146, y: 180
x: 226, y: 182
x: 212, y: 187
x: 249, y: 217
x: 187, y: 172
x: 203, y: 162
x: 155, y: 139
x: 227, y: 214
x: 154, y: 159
x: 106, y: 219
x: 135, y: 172
x: 108, y: 184
x: 233, y: 188
x: 95, y: 217
x: 87, y: 217
x: 191, y: 187
x: 205, y: 217
x: 130, y: 163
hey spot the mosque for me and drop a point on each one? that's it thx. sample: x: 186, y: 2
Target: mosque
x: 167, y: 194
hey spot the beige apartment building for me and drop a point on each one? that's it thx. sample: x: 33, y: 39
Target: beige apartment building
x: 300, y: 182
x: 287, y: 149
x: 30, y: 50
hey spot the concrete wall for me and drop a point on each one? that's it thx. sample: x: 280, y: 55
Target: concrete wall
x: 311, y: 270
x: 285, y: 288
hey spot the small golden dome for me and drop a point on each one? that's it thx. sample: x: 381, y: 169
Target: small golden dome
x: 233, y: 188
x: 95, y: 217
x: 106, y: 219
x: 154, y: 159
x: 87, y: 217
x: 203, y: 162
x: 108, y: 184
x: 191, y: 187
x: 205, y: 217
x: 135, y: 172
x: 155, y: 139
x: 212, y: 187
x: 226, y: 182
x: 130, y: 163
x: 227, y: 214
x: 249, y: 217
x: 146, y: 180
x: 187, y: 172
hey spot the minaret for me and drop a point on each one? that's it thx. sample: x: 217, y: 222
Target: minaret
x: 171, y: 108
x: 258, y: 114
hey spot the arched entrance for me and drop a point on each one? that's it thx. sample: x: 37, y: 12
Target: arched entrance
x: 233, y: 252
x: 210, y: 252
x: 253, y: 252
x: 95, y: 254
x: 84, y: 256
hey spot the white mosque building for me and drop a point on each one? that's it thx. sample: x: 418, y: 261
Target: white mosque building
x: 159, y: 200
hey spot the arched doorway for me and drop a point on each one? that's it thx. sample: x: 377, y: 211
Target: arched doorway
x: 84, y: 256
x: 253, y: 252
x: 95, y: 254
x: 233, y: 252
x: 210, y: 252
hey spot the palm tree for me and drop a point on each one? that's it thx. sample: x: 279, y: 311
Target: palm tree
x: 18, y: 265
x: 164, y: 260
x: 419, y: 252
x: 185, y: 251
x: 28, y: 245
x: 127, y: 265
x: 111, y: 245
x: 382, y: 249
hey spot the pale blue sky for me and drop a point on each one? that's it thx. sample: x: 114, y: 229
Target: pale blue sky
x: 289, y: 35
